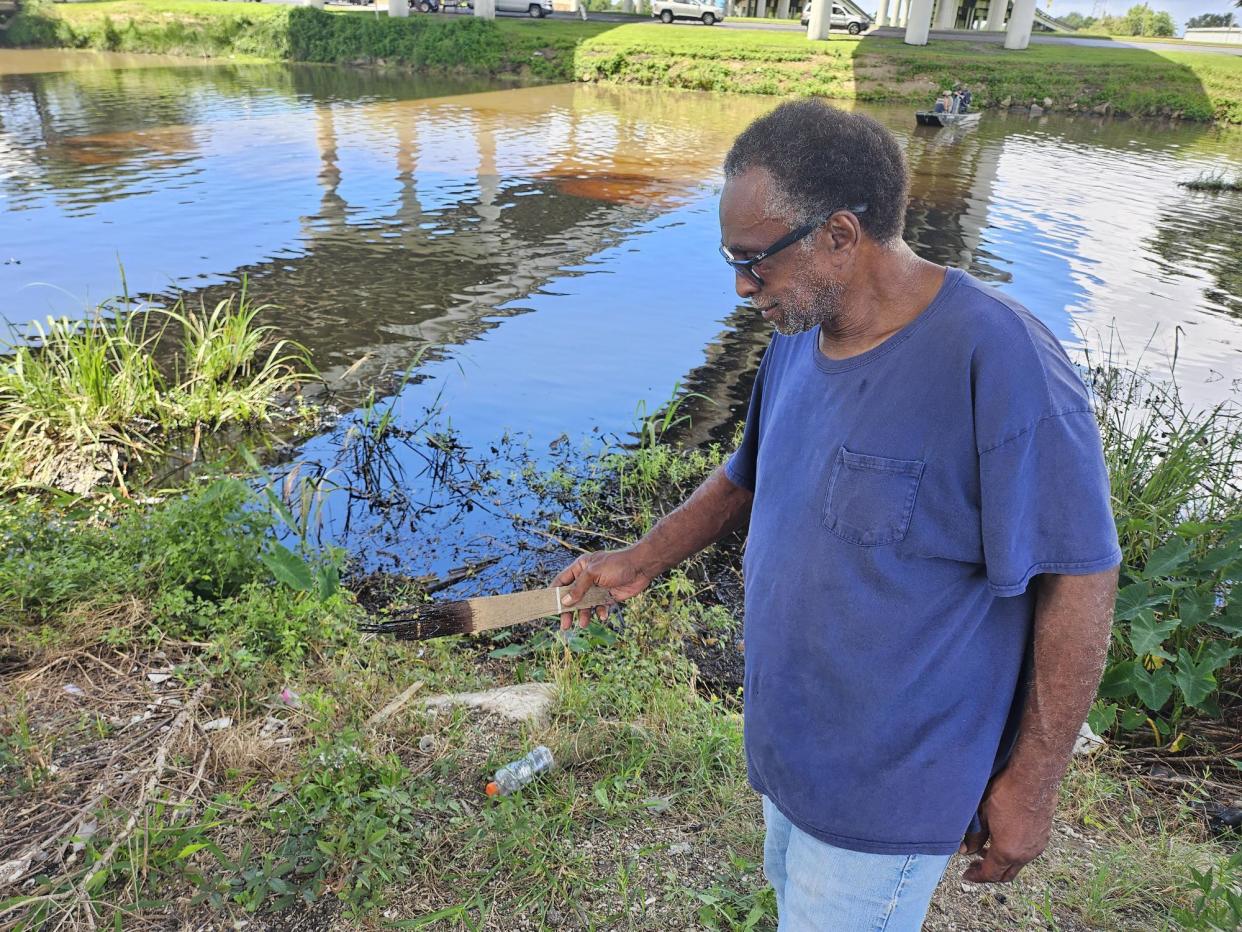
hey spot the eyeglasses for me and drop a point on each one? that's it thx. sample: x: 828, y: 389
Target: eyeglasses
x: 746, y: 267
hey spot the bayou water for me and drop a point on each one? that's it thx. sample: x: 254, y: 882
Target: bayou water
x: 529, y: 265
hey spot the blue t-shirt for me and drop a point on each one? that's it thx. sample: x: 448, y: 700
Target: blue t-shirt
x: 904, y: 499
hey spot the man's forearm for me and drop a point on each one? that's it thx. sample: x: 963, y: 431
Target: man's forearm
x: 717, y: 507
x: 1073, y: 615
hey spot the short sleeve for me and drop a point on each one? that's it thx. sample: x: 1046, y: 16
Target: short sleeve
x: 742, y: 466
x: 1045, y: 504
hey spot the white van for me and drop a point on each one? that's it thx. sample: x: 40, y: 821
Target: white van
x: 839, y: 19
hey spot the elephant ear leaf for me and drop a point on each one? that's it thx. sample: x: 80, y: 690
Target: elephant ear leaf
x: 1147, y: 634
x: 288, y: 568
x: 1154, y: 688
x: 1134, y: 598
x: 1166, y: 560
x: 1195, y: 680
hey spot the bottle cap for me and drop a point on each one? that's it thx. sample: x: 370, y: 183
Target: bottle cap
x: 493, y: 789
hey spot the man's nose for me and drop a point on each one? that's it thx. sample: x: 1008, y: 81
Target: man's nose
x: 746, y: 286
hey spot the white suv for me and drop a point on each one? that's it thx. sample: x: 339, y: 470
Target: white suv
x: 668, y: 10
x: 839, y: 19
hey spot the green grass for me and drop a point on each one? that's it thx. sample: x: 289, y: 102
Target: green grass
x: 1133, y: 81
x: 1192, y: 85
x: 80, y: 401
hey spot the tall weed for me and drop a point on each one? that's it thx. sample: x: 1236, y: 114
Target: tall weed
x: 81, y: 400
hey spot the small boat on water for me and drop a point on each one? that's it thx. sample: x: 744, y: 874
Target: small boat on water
x: 931, y: 118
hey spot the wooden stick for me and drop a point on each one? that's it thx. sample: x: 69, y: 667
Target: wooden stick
x: 393, y: 706
x: 470, y: 616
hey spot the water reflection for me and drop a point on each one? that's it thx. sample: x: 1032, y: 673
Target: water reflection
x: 557, y: 245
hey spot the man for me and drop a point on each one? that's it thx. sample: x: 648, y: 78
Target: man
x: 931, y: 562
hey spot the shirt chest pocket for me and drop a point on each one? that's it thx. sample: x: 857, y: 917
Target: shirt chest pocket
x: 871, y: 498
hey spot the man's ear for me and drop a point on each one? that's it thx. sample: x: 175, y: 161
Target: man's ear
x: 844, y: 233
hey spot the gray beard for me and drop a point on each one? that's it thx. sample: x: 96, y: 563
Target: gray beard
x: 815, y: 304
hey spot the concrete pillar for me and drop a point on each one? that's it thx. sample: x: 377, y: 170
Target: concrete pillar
x: 782, y: 9
x: 881, y: 18
x: 946, y: 14
x: 996, y: 15
x: 918, y: 23
x: 398, y: 8
x: 1018, y: 32
x: 903, y: 14
x: 317, y: 4
x: 821, y: 19
x: 627, y: 6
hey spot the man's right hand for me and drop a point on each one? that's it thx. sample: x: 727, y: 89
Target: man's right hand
x: 622, y: 572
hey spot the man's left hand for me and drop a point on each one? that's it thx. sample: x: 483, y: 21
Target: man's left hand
x: 1016, y: 824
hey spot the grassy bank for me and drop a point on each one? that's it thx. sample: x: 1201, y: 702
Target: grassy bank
x: 191, y: 729
x: 1130, y: 81
x: 1190, y: 85
x: 202, y: 28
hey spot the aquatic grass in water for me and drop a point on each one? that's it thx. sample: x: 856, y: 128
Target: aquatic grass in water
x: 79, y: 400
x: 227, y: 378
x: 1215, y: 182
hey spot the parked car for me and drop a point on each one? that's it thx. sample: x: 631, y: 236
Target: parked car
x: 668, y: 10
x: 536, y: 9
x: 840, y: 18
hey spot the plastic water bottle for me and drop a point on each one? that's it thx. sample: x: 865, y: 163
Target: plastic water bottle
x: 514, y: 776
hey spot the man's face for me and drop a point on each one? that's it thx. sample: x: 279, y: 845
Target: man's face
x: 799, y: 290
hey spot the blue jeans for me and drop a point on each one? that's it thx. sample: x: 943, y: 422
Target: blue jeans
x: 821, y: 888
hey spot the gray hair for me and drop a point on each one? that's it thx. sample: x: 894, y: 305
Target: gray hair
x: 822, y: 159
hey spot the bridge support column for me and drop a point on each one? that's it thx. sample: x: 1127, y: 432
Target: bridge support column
x: 946, y: 14
x: 1018, y: 32
x: 485, y: 9
x: 919, y: 22
x: 782, y: 9
x: 396, y: 8
x: 821, y: 19
x: 996, y: 15
x: 881, y: 18
x: 317, y: 4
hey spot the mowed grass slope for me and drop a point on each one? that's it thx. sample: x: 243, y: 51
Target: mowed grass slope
x: 1191, y: 85
x: 1195, y: 85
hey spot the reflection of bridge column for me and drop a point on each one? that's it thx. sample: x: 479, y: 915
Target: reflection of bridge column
x: 489, y: 180
x: 331, y: 205
x: 974, y: 218
x: 919, y: 22
x: 409, y: 208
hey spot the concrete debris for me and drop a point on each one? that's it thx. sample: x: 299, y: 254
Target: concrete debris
x: 1087, y: 742
x: 525, y: 702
